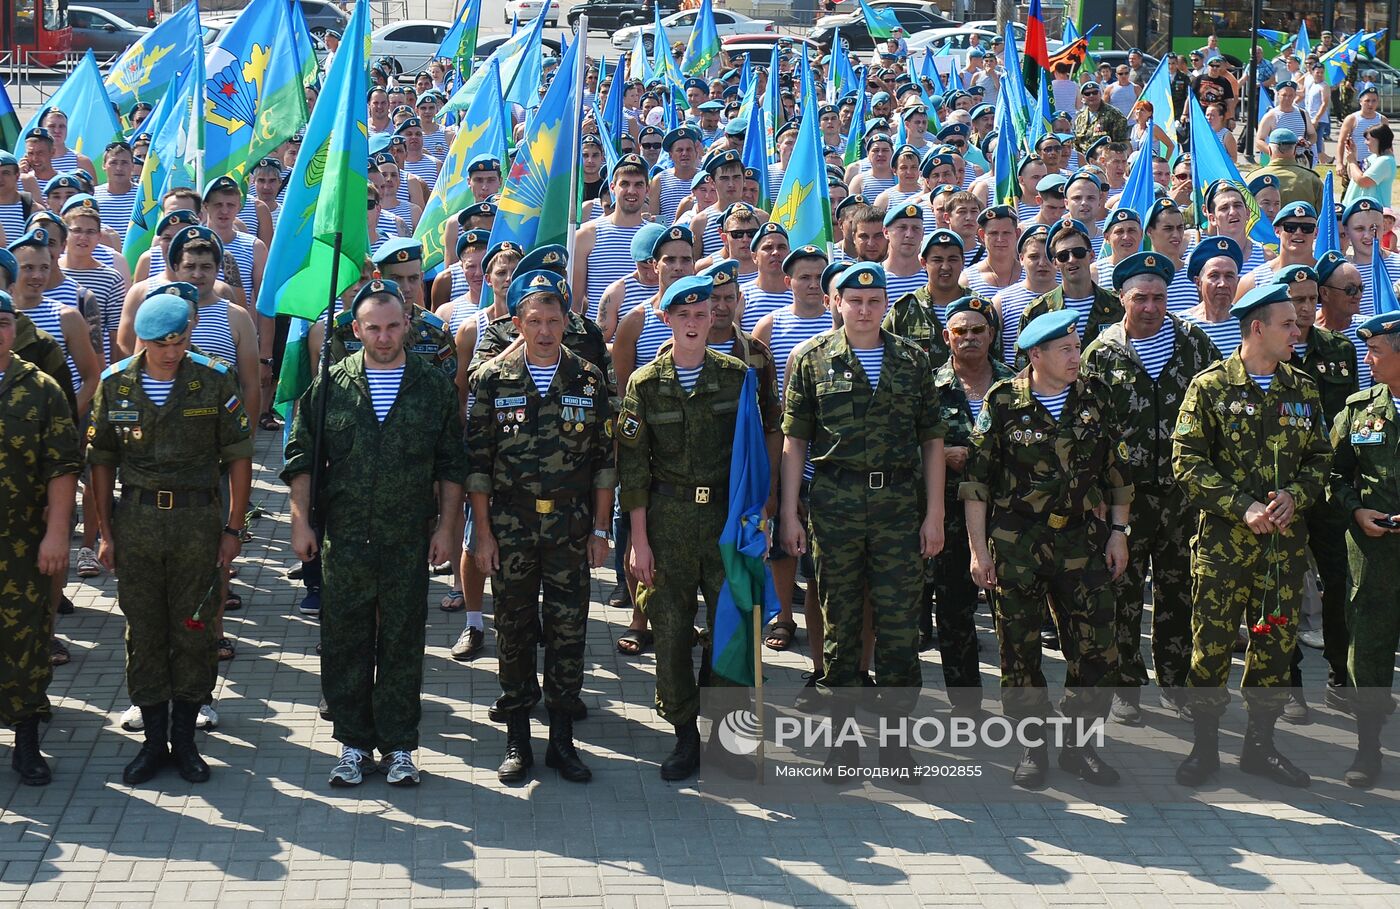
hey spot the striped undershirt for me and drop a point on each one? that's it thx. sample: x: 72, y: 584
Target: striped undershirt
x: 157, y: 390
x: 543, y: 375
x: 1264, y: 382
x: 1081, y: 305
x: 383, y: 389
x: 1154, y: 352
x: 1053, y: 403
x: 1225, y: 335
x: 871, y: 359
x: 688, y: 376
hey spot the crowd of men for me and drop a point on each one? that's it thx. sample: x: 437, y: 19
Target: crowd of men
x: 1038, y: 406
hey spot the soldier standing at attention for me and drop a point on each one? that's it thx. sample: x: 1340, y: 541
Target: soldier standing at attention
x: 392, y: 431
x: 916, y: 315
x: 541, y: 478
x: 676, y: 436
x: 863, y: 401
x: 1363, y: 485
x: 39, y: 466
x: 1042, y: 458
x: 1146, y: 362
x: 1249, y: 451
x: 167, y: 420
x: 1069, y: 246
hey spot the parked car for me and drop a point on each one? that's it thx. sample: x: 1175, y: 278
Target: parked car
x: 487, y: 46
x: 678, y: 27
x: 136, y: 12
x: 609, y: 16
x: 915, y: 17
x: 322, y: 15
x: 760, y: 47
x: 1387, y: 85
x: 528, y: 10
x: 105, y: 34
x: 413, y: 43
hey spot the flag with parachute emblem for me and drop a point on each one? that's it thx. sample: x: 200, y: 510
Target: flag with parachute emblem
x: 522, y: 70
x: 881, y: 23
x: 1210, y: 163
x: 146, y: 69
x: 9, y: 120
x: 1004, y: 159
x: 702, y: 48
x: 855, y: 134
x: 755, y: 156
x: 91, y: 121
x: 459, y: 44
x: 1327, y: 233
x: 803, y: 204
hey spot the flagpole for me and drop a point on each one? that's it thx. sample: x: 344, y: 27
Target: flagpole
x: 580, y: 64
x: 1252, y: 77
x: 758, y: 675
x: 321, y: 406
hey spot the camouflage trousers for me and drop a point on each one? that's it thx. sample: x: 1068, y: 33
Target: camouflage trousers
x: 1161, y: 538
x: 684, y: 540
x: 1327, y: 539
x: 1373, y: 618
x: 25, y: 669
x: 866, y: 542
x: 1239, y: 579
x: 956, y: 608
x: 549, y: 553
x: 167, y: 562
x: 1066, y: 567
x: 372, y: 637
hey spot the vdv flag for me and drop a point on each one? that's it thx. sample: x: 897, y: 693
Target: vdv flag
x: 1327, y: 237
x: 147, y: 68
x: 804, y: 201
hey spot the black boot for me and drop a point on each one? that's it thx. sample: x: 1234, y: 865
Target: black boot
x: 1127, y: 706
x: 1295, y: 709
x: 155, y: 753
x: 1084, y: 762
x: 685, y: 759
x: 1260, y: 758
x: 1033, y: 768
x: 187, y: 760
x: 519, y: 756
x: 1364, y: 771
x: 27, y: 759
x: 718, y: 757
x: 1204, y: 759
x: 561, y: 754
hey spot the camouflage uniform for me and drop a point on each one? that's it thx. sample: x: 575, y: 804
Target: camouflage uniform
x: 867, y: 501
x: 166, y: 529
x: 582, y: 337
x: 378, y: 509
x: 427, y: 337
x: 1088, y: 126
x: 956, y: 601
x: 540, y: 458
x: 913, y: 316
x: 40, y: 348
x: 1042, y: 479
x: 40, y: 444
x: 1161, y: 520
x: 674, y: 449
x: 756, y: 355
x: 1365, y: 468
x: 1229, y: 436
x: 1107, y: 310
x: 1330, y: 359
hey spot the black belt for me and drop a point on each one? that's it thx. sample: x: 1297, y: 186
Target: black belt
x: 700, y: 495
x: 871, y: 479
x: 545, y: 504
x: 165, y: 499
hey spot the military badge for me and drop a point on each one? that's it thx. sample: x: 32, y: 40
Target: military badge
x: 630, y: 427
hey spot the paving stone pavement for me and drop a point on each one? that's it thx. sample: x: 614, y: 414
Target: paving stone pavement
x: 267, y: 830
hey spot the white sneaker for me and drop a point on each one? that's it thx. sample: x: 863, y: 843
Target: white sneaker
x: 352, y: 767
x: 131, y: 719
x: 88, y: 566
x: 208, y: 718
x: 400, y: 771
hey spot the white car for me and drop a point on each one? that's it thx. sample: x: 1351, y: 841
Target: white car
x: 956, y: 40
x: 527, y: 10
x: 413, y: 42
x: 678, y: 27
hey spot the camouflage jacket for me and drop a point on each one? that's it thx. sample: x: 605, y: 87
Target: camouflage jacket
x: 378, y: 478
x: 427, y: 338
x: 1088, y: 126
x: 1365, y: 462
x: 1145, y: 410
x: 555, y: 445
x: 582, y: 337
x: 41, y: 348
x: 178, y: 446
x: 1330, y: 361
x: 956, y: 413
x: 1234, y: 443
x: 1107, y: 310
x: 41, y: 443
x: 829, y: 402
x: 914, y: 318
x: 1025, y: 461
x: 758, y: 357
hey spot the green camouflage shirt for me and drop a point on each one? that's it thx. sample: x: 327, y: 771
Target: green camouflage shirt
x: 956, y: 413
x: 913, y: 317
x: 1330, y: 361
x: 40, y: 443
x: 427, y: 338
x: 1107, y: 310
x: 1088, y: 126
x: 1365, y: 462
x: 582, y: 337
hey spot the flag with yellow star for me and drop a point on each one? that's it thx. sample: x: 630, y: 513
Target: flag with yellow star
x: 147, y: 68
x: 804, y: 201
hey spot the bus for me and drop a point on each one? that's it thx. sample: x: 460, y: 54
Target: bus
x: 36, y: 30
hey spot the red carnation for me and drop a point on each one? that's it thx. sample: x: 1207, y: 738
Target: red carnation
x: 194, y: 624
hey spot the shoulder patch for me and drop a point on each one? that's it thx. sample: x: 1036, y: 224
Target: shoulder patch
x: 117, y: 367
x: 432, y: 319
x: 202, y: 360
x: 343, y: 318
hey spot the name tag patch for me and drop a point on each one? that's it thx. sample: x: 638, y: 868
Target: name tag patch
x: 570, y: 401
x: 200, y: 411
x: 124, y: 416
x: 1366, y: 438
x: 510, y: 402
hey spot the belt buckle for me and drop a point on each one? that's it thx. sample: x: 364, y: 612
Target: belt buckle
x: 165, y: 499
x: 876, y: 479
x: 544, y: 506
x: 702, y: 495
x: 1057, y: 521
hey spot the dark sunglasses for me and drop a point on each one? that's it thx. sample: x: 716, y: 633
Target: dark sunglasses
x: 1349, y: 290
x: 651, y: 146
x: 1046, y: 149
x: 743, y: 234
x: 1296, y: 227
x: 1064, y: 255
x: 959, y: 331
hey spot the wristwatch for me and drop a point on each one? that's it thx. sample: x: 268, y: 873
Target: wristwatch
x: 236, y: 534
x: 266, y: 361
x: 1125, y: 529
x: 602, y: 534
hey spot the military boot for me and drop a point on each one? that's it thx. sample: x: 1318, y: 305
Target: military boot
x: 155, y: 753
x: 1127, y: 706
x: 1084, y: 762
x: 519, y: 756
x: 685, y: 759
x: 1204, y: 759
x: 561, y: 754
x: 1033, y: 768
x: 187, y: 760
x: 1366, y: 768
x: 1260, y: 757
x: 27, y: 760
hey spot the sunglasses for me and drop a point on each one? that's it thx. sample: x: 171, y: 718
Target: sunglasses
x: 1064, y: 255
x: 372, y: 206
x: 1349, y: 290
x: 651, y: 146
x: 967, y: 330
x: 1295, y: 227
x: 1048, y: 149
x: 743, y: 234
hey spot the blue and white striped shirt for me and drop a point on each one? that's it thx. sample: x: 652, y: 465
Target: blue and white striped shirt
x: 673, y: 191
x: 1363, y: 369
x: 425, y: 169
x: 1053, y: 403
x: 543, y: 376
x: 1155, y: 352
x: 976, y: 282
x: 157, y: 390
x: 383, y: 389
x: 609, y: 260
x: 1081, y: 305
x: 688, y: 376
x: 1264, y: 382
x: 1181, y: 293
x: 1224, y: 335
x: 759, y: 303
x: 790, y: 330
x: 12, y: 219
x: 212, y: 334
x: 115, y: 209
x: 633, y: 293
x: 654, y: 334
x: 1013, y: 301
x: 897, y: 286
x: 47, y: 316
x: 871, y: 360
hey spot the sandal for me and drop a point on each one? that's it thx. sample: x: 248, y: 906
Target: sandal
x: 233, y: 603
x: 779, y: 635
x: 58, y: 653
x: 635, y: 641
x: 226, y: 649
x: 269, y: 422
x: 453, y: 602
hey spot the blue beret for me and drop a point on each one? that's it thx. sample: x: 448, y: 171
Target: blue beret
x: 1295, y: 273
x: 82, y: 201
x: 380, y: 158
x: 696, y: 83
x: 1368, y: 90
x: 722, y: 159
x: 907, y: 211
x: 880, y: 98
x: 7, y: 303
x: 474, y: 237
x: 1295, y: 210
x: 992, y: 212
x: 397, y: 251
x: 1213, y: 248
x: 941, y: 237
x: 1218, y: 186
x: 1143, y: 263
x: 980, y: 110
x: 644, y: 239
x: 484, y: 163
x: 164, y: 317
x: 498, y: 248
x: 1120, y: 215
x: 1084, y: 173
x: 954, y: 129
x: 8, y: 160
x: 699, y: 179
x: 378, y: 143
x: 187, y: 235
x: 980, y: 305
x: 677, y: 134
x: 9, y: 263
x: 830, y: 272
x: 862, y: 275
x: 222, y: 184
x: 486, y: 207
x: 724, y: 271
x: 1327, y: 263
x: 37, y: 132
x: 1385, y: 323
x: 35, y: 236
x: 736, y: 126
x: 1262, y: 295
x: 1283, y: 136
x: 650, y: 131
x: 710, y: 107
x: 177, y: 217
x: 374, y: 288
x: 730, y: 91
x: 767, y: 229
x: 1066, y: 224
x: 1359, y: 205
x: 550, y: 257
x: 410, y: 123
x: 800, y: 253
x: 62, y: 181
x: 535, y: 281
x: 1052, y: 183
x: 1094, y: 146
x: 1164, y: 204
x: 852, y: 199
x: 182, y: 289
x: 1050, y: 326
x: 690, y: 289
x: 1034, y: 232
x: 670, y: 235
x: 1263, y: 181
x: 1048, y: 137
